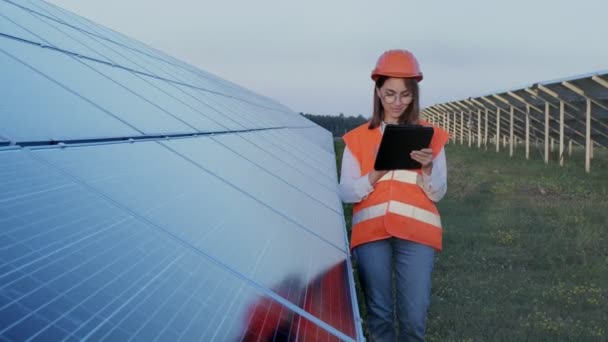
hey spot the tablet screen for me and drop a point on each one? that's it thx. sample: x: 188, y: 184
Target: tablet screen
x: 398, y: 141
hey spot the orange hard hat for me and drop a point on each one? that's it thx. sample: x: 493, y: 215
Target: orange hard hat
x: 397, y: 63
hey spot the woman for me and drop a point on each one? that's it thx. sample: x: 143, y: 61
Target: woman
x: 396, y: 226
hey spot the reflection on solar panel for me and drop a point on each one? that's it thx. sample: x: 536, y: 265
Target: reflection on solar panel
x: 142, y: 198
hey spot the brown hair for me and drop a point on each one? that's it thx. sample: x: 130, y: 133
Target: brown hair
x: 410, y: 114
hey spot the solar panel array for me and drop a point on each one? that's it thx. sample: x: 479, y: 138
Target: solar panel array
x: 144, y: 199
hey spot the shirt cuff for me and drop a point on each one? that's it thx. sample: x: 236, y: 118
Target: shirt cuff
x: 427, y: 181
x: 363, y: 187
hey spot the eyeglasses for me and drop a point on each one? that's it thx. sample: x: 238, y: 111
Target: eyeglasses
x: 390, y: 98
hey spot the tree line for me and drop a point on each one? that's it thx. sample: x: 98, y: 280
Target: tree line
x: 337, y: 125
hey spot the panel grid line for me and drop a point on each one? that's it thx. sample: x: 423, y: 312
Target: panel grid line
x: 132, y: 286
x: 65, y: 247
x: 65, y: 314
x: 176, y: 312
x: 31, y: 223
x: 43, y: 285
x: 199, y: 310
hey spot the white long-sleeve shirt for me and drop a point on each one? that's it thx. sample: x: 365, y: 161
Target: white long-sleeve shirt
x: 355, y: 187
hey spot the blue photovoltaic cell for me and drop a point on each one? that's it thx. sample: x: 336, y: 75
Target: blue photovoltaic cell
x: 75, y: 266
x: 143, y: 87
x: 167, y: 70
x: 286, y: 199
x: 99, y: 89
x: 86, y: 25
x: 9, y: 15
x: 244, y: 144
x: 317, y: 136
x: 196, y: 114
x: 226, y: 223
x: 203, y: 79
x: 193, y: 100
x: 248, y: 112
x: 314, y: 153
x: 74, y: 38
x: 222, y: 104
x: 46, y: 34
x: 52, y: 26
x: 112, y: 48
x: 287, y: 154
x: 34, y: 108
x: 306, y: 151
x: 95, y: 44
x: 308, y: 141
x: 183, y: 198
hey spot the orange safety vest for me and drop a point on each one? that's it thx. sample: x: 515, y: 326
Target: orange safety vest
x: 398, y: 207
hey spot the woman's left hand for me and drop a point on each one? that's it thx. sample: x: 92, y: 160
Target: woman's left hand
x: 425, y: 158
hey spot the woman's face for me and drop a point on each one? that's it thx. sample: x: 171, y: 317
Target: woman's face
x: 395, y: 98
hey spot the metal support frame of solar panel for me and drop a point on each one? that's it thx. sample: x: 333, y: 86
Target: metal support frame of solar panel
x: 542, y: 99
x: 272, y: 143
x: 541, y: 104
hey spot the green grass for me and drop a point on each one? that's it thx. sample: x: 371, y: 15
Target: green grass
x: 525, y: 249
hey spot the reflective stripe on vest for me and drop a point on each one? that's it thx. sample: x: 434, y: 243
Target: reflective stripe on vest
x: 403, y: 176
x: 398, y: 208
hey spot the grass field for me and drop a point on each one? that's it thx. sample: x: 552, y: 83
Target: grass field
x: 525, y: 249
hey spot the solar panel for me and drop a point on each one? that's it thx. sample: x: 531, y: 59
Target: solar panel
x: 114, y: 98
x: 194, y: 99
x: 318, y: 136
x: 317, y: 158
x: 248, y: 146
x: 45, y: 33
x: 292, y: 156
x: 30, y: 97
x: 146, y: 199
x: 9, y: 16
x: 255, y: 179
x: 76, y: 265
x: 297, y: 138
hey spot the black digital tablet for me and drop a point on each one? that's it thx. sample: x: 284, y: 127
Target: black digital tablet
x: 398, y: 141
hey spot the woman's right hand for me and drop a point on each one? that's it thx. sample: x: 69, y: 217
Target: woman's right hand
x: 375, y: 175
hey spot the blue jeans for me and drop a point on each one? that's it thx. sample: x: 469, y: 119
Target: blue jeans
x: 412, y: 264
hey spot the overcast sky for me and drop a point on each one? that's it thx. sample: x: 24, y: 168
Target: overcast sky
x: 316, y: 56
